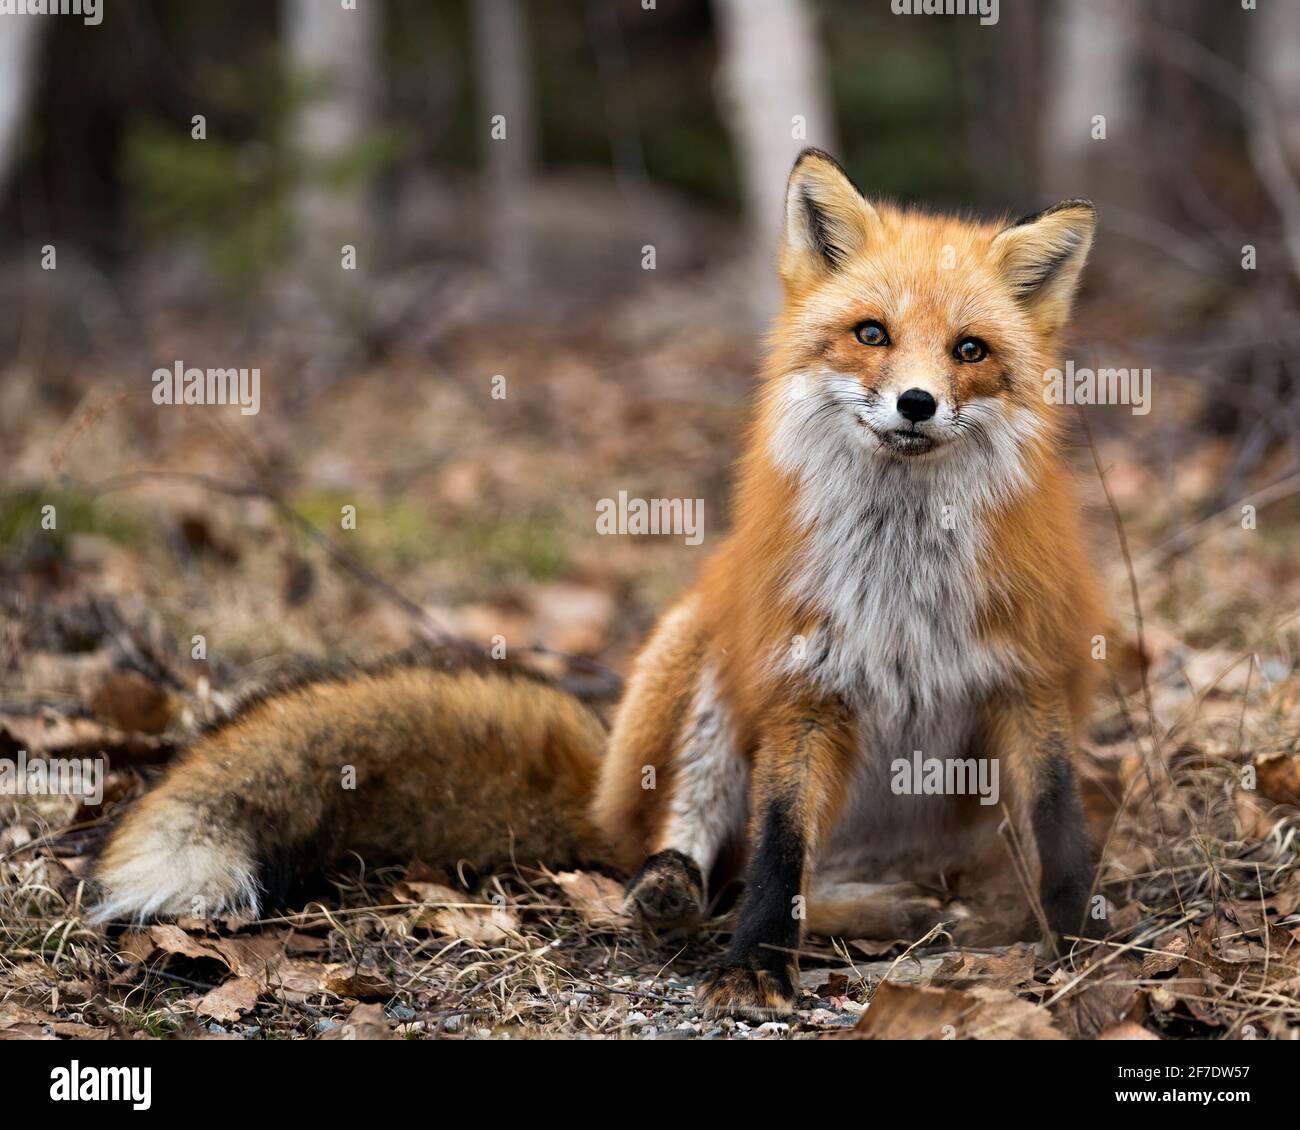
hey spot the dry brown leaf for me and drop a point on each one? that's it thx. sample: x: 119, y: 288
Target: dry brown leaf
x: 1278, y: 778
x: 1007, y: 970
x: 1169, y: 958
x: 453, y: 913
x: 13, y: 1015
x: 1094, y: 1006
x: 1127, y: 1030
x: 129, y: 701
x: 71, y: 1030
x: 598, y: 898
x: 294, y: 980
x: 909, y: 1012
x: 229, y: 1000
x: 172, y: 939
x: 364, y: 1022
x: 487, y: 925
x: 351, y: 981
x: 49, y: 733
x: 1253, y: 816
x: 407, y: 892
x: 253, y: 955
x: 28, y: 1032
x: 1285, y: 901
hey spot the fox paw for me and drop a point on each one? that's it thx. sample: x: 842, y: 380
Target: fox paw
x: 667, y: 892
x: 753, y: 992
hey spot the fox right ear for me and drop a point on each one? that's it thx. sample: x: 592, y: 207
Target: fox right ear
x: 827, y: 220
x: 1042, y: 257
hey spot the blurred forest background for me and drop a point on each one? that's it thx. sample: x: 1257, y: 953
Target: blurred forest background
x: 577, y: 202
x: 196, y: 173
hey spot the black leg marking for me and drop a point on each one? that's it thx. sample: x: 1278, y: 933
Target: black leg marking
x: 1063, y: 848
x: 757, y: 979
x: 772, y: 883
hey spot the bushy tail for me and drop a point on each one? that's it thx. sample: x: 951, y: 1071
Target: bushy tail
x: 475, y: 764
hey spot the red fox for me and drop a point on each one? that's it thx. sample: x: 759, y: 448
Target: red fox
x: 906, y: 582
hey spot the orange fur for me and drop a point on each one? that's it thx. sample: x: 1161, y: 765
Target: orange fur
x: 474, y: 765
x: 839, y: 620
x: 931, y: 280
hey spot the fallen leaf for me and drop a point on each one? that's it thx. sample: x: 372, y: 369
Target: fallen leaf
x: 50, y: 734
x: 910, y: 1012
x: 1252, y: 815
x: 294, y: 980
x: 598, y: 898
x: 131, y: 702
x: 1127, y: 1030
x: 172, y: 939
x: 1007, y: 970
x: 28, y: 1032
x: 364, y: 1022
x: 229, y: 1000
x: 354, y: 981
x: 485, y: 926
x: 1278, y: 778
x: 136, y: 945
x: 455, y: 914
x: 254, y: 955
x: 1094, y: 1006
x: 13, y: 1015
x: 1169, y: 958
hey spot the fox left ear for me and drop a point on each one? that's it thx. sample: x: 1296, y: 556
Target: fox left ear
x: 1042, y: 257
x: 827, y: 220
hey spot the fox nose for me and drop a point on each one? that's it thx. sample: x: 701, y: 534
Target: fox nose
x: 916, y: 405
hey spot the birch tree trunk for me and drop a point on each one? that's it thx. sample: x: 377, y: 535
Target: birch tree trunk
x: 507, y: 132
x: 1091, y: 82
x: 19, y: 40
x: 335, y: 53
x: 1274, y: 46
x: 774, y: 101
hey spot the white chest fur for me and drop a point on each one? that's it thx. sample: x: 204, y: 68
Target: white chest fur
x: 894, y: 566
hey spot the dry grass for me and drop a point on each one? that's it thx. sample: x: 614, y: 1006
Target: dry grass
x: 1202, y: 873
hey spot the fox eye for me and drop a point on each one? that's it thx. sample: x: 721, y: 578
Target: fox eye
x: 970, y: 350
x: 871, y: 333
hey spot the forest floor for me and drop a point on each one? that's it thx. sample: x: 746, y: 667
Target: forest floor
x: 159, y: 598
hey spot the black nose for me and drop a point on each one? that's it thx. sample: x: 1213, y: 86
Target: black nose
x: 916, y: 405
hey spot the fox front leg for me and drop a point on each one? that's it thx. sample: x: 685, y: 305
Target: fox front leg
x: 1035, y: 736
x: 799, y: 774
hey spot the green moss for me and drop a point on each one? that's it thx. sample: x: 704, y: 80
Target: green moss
x: 22, y: 510
x: 398, y: 533
x: 509, y: 550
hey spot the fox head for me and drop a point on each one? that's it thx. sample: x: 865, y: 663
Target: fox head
x: 915, y: 337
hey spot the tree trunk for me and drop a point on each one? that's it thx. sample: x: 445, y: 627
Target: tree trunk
x: 335, y: 52
x: 19, y: 39
x: 774, y: 101
x: 1092, y: 70
x: 1275, y: 61
x: 506, y: 128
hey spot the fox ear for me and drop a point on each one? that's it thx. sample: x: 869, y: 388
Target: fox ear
x: 827, y: 220
x: 1042, y: 256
